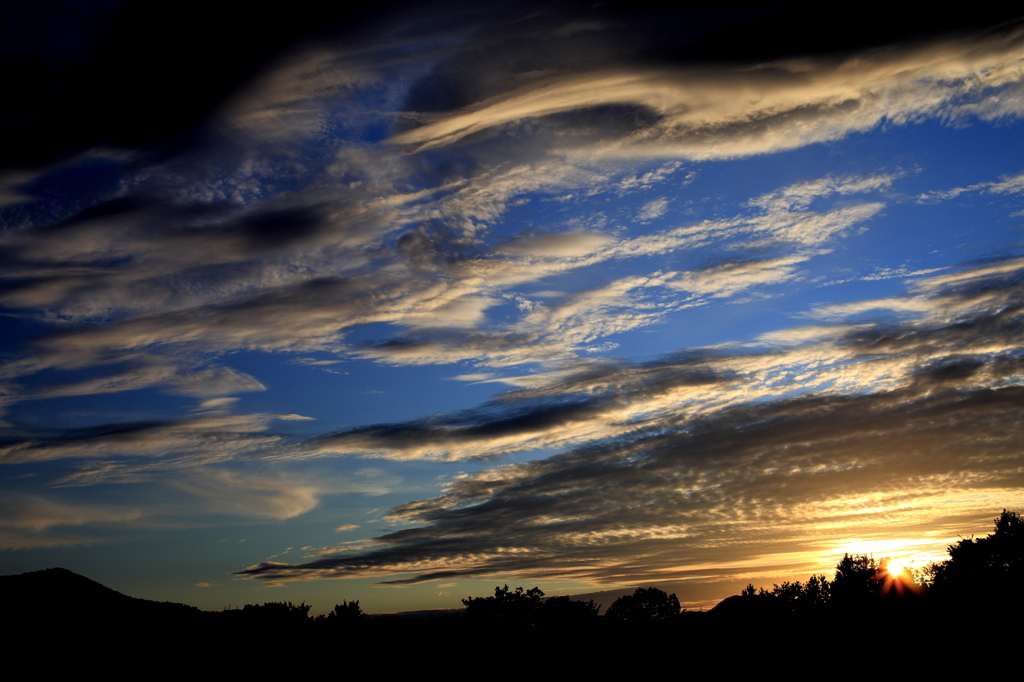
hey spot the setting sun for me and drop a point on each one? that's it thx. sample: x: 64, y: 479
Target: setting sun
x: 896, y: 567
x: 896, y: 574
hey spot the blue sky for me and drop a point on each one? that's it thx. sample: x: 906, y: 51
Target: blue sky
x: 401, y: 306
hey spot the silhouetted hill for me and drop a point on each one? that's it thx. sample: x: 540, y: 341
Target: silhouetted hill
x: 57, y: 596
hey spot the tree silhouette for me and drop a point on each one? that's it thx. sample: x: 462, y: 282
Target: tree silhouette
x: 507, y: 607
x: 789, y: 597
x: 817, y: 592
x: 344, y: 614
x: 276, y: 613
x: 645, y: 605
x: 984, y: 568
x: 563, y: 611
x: 855, y: 582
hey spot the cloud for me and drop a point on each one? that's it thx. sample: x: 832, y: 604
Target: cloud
x: 1007, y: 184
x: 291, y: 101
x: 187, y: 497
x: 286, y: 237
x: 39, y: 514
x: 590, y: 401
x: 362, y: 185
x: 119, y: 452
x: 214, y: 382
x: 250, y: 495
x: 474, y: 376
x: 726, y: 112
x: 890, y: 273
x: 753, y: 482
x: 652, y: 209
x: 194, y: 383
x: 594, y: 401
x: 216, y: 405
x: 798, y: 196
x: 721, y: 458
x: 33, y: 521
x: 652, y: 178
x: 551, y: 331
x: 800, y: 335
x: 269, y: 490
x: 728, y: 279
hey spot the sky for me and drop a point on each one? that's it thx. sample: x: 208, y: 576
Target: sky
x: 404, y: 303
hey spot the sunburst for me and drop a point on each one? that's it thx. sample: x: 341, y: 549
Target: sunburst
x: 896, y: 574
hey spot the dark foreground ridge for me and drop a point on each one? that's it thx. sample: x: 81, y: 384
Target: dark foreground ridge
x: 904, y: 619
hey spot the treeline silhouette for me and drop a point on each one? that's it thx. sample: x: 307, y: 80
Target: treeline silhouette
x: 956, y: 602
x: 981, y: 575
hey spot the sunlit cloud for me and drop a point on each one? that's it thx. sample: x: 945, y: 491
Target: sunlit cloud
x: 148, y: 446
x: 1006, y: 185
x: 605, y: 400
x: 573, y: 293
x: 721, y: 492
x: 729, y: 112
x: 33, y: 521
x: 725, y: 280
x: 717, y: 478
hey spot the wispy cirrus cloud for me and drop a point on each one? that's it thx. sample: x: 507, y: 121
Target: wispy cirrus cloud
x: 426, y: 290
x: 603, y: 400
x: 799, y: 196
x: 471, y: 192
x: 607, y: 399
x: 750, y: 483
x: 186, y: 497
x: 34, y: 521
x: 730, y: 112
x: 728, y: 279
x: 147, y: 446
x: 1008, y: 184
x: 246, y: 247
x: 880, y: 428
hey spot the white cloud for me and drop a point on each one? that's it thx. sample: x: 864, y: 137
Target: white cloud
x: 729, y: 279
x: 798, y: 197
x: 652, y: 209
x: 651, y: 178
x: 1008, y: 184
x: 589, y: 401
